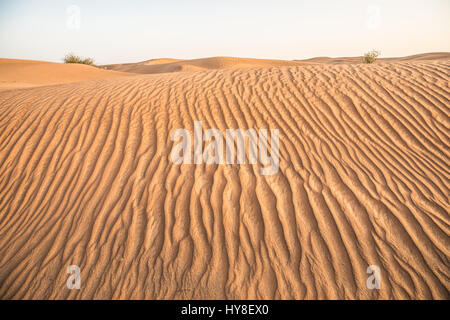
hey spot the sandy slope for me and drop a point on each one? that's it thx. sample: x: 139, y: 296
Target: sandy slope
x: 86, y: 179
x: 27, y: 73
x: 434, y: 56
x: 175, y: 65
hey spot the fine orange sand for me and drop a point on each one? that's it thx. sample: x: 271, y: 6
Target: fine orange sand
x: 27, y: 73
x: 364, y: 179
x: 176, y: 65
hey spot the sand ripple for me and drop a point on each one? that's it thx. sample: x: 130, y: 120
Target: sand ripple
x: 86, y: 179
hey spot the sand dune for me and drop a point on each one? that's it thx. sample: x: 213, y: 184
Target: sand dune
x: 167, y: 65
x: 174, y: 65
x: 364, y: 179
x: 354, y: 60
x: 27, y: 73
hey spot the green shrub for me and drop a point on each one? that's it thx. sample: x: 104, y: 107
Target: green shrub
x: 371, y: 56
x: 88, y: 61
x: 71, y: 58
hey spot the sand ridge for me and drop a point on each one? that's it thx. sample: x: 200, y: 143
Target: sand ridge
x: 433, y: 56
x: 85, y: 179
x: 15, y: 73
x: 177, y: 65
x: 167, y: 65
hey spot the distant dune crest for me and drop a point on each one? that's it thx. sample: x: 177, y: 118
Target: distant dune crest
x: 177, y: 65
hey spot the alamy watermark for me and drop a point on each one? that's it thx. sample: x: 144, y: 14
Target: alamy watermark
x: 74, y: 280
x: 73, y: 21
x: 374, y: 281
x: 250, y: 145
x: 373, y: 19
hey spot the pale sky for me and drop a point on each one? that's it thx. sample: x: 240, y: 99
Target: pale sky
x: 130, y: 31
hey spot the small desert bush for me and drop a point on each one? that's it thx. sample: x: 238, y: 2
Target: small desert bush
x: 371, y: 56
x: 71, y: 58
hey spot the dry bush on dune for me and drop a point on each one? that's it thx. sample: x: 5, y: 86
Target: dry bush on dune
x: 72, y: 58
x: 371, y: 56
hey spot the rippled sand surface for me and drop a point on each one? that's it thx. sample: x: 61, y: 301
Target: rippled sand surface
x: 86, y: 179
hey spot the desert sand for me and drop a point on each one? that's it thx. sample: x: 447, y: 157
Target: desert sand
x: 16, y: 73
x: 364, y: 179
x: 177, y: 65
